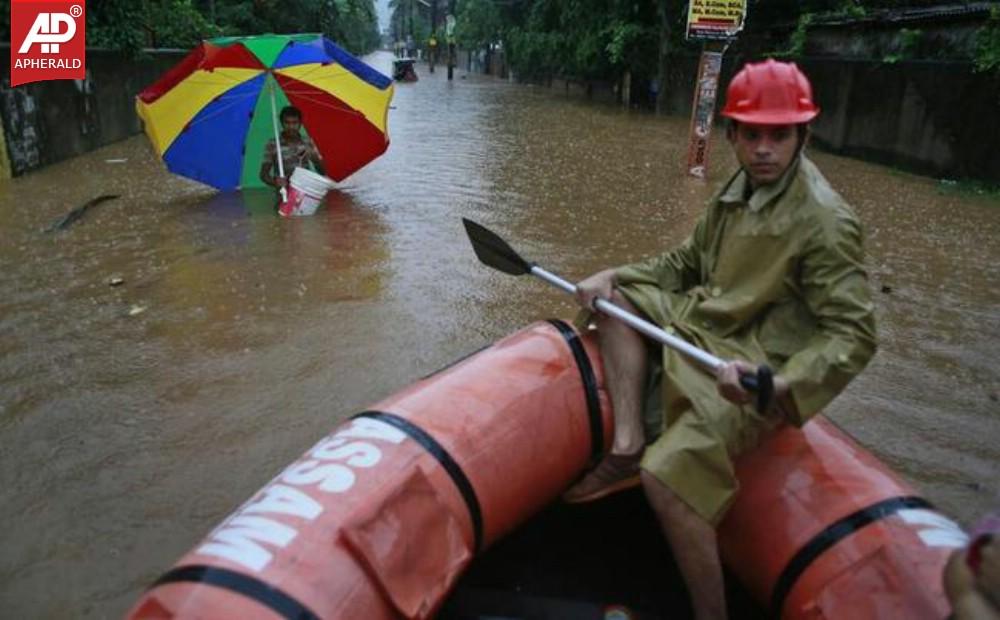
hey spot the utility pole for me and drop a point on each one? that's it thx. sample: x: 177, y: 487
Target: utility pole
x: 662, y: 61
x: 432, y: 41
x: 450, y: 34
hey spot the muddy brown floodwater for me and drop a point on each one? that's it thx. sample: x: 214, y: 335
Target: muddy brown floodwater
x: 134, y: 417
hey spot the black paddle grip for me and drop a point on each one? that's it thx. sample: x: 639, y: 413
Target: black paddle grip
x: 762, y: 383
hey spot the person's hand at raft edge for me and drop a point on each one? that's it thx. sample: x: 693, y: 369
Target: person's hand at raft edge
x: 598, y: 286
x: 988, y: 575
x: 728, y: 378
x: 972, y: 579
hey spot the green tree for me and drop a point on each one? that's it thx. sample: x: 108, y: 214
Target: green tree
x: 130, y: 25
x: 581, y: 39
x: 353, y: 24
x: 672, y: 20
x: 988, y: 43
x: 478, y: 24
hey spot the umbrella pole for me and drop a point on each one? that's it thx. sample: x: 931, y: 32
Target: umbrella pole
x: 277, y: 140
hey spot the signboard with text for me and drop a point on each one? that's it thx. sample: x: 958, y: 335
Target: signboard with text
x: 715, y: 19
x: 703, y: 113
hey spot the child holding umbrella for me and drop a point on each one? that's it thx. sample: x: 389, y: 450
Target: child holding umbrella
x: 296, y: 150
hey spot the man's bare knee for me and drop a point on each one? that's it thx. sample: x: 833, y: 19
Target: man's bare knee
x: 620, y: 300
x: 655, y: 488
x: 664, y: 501
x: 610, y: 325
x: 660, y: 497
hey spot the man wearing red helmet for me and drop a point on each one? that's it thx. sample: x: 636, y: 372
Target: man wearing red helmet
x: 771, y: 274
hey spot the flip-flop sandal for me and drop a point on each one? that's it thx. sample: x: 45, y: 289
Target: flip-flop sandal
x: 615, y: 472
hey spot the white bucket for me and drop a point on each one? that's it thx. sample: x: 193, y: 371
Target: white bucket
x: 306, y: 192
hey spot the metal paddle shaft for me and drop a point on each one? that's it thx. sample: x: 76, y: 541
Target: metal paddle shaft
x: 640, y: 325
x: 496, y: 253
x: 713, y: 363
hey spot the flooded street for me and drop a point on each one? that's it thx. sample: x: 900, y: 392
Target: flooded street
x: 134, y: 417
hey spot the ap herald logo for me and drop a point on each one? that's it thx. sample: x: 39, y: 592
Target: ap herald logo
x: 47, y: 40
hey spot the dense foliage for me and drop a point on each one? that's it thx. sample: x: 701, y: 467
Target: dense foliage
x: 606, y: 39
x: 988, y: 43
x: 130, y: 25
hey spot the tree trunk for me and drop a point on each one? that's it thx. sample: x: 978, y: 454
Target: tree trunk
x: 452, y: 6
x: 663, y: 9
x: 432, y: 49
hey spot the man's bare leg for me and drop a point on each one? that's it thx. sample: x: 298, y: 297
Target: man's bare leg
x: 695, y: 547
x: 623, y: 352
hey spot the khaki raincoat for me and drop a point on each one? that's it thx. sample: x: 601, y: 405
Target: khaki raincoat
x: 776, y: 278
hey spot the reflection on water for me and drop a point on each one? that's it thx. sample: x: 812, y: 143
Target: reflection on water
x: 237, y: 261
x: 134, y: 416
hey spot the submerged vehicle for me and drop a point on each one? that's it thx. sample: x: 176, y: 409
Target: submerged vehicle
x: 441, y: 500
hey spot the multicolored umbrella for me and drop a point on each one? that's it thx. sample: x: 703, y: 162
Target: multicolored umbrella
x: 210, y: 116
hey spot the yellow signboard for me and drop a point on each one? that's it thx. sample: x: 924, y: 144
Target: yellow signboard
x: 715, y: 19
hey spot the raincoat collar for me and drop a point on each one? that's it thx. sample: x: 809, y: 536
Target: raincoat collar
x: 738, y: 186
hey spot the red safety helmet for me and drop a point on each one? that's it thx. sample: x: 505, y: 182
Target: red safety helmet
x: 770, y: 93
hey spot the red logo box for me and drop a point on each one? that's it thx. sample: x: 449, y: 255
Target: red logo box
x: 47, y: 40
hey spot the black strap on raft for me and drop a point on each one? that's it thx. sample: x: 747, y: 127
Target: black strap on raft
x: 461, y: 481
x: 830, y: 537
x: 445, y: 460
x: 250, y: 587
x: 589, y: 388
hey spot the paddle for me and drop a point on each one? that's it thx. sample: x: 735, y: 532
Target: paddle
x: 494, y: 252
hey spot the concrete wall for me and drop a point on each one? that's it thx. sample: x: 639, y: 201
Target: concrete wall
x: 941, y: 119
x: 937, y: 118
x: 46, y: 122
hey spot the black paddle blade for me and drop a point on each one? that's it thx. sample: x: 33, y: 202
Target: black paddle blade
x: 493, y: 251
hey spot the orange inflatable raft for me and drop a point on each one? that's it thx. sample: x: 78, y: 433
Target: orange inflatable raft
x: 382, y: 517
